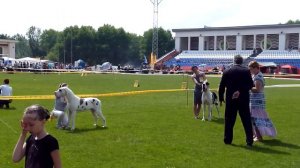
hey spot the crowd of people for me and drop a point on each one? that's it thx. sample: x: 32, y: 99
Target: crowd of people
x: 23, y: 65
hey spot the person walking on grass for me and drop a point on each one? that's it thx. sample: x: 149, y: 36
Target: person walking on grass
x: 59, y: 109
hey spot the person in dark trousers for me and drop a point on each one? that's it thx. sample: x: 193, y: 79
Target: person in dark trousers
x: 5, y: 90
x: 238, y: 82
x: 198, y: 77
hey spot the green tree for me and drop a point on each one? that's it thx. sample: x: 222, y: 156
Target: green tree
x: 56, y: 51
x: 5, y: 36
x: 112, y: 44
x: 48, y: 39
x: 135, y: 51
x: 33, y: 35
x: 95, y: 47
x: 293, y: 22
x: 70, y: 43
x: 165, y: 42
x: 22, y: 46
x: 85, y: 45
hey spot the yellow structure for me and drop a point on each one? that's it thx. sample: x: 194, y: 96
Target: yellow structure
x: 152, y: 60
x: 184, y: 85
x: 136, y: 83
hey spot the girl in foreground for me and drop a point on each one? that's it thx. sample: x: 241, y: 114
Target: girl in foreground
x: 40, y: 149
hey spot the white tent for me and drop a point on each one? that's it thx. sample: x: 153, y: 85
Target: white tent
x: 267, y: 64
x: 28, y: 59
x: 106, y: 66
x: 8, y: 60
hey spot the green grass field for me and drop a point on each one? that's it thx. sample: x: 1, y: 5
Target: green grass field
x: 152, y: 130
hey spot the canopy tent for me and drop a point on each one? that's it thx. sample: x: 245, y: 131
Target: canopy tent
x: 289, y: 69
x: 28, y: 59
x: 287, y: 66
x: 8, y: 58
x: 267, y: 64
x: 106, y: 66
x: 8, y: 61
x: 79, y: 64
x: 268, y: 67
x: 46, y: 61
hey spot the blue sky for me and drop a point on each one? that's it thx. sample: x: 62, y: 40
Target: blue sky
x: 136, y: 16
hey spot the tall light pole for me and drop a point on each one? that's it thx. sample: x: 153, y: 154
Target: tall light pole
x: 155, y: 28
x: 71, y: 48
x: 64, y: 51
x: 64, y: 56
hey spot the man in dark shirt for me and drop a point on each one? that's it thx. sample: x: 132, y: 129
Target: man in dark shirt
x: 238, y: 81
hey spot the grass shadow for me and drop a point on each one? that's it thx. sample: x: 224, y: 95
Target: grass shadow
x: 265, y: 150
x: 277, y: 142
x: 81, y: 130
x: 218, y: 120
x: 261, y: 149
x: 8, y: 109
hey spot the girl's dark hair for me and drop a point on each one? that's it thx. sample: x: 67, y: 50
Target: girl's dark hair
x: 41, y: 112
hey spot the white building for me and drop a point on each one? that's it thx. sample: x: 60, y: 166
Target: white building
x: 266, y: 37
x: 7, y: 48
x: 278, y: 44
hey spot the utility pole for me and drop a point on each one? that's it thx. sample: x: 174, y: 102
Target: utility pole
x: 64, y: 56
x: 155, y: 28
x: 64, y: 52
x: 71, y: 49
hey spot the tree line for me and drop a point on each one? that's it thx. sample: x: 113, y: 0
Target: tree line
x: 106, y: 44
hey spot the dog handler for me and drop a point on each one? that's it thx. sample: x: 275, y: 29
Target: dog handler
x: 41, y: 150
x: 198, y: 77
x: 59, y: 109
